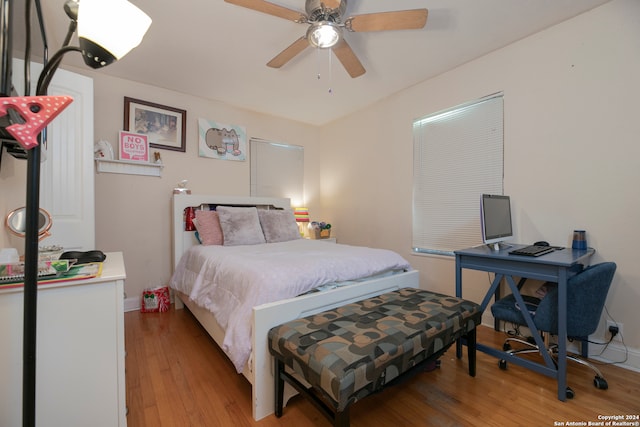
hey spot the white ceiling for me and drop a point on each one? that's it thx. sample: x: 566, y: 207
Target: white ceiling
x: 218, y: 51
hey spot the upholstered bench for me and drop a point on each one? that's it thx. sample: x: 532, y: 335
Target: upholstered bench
x: 355, y: 350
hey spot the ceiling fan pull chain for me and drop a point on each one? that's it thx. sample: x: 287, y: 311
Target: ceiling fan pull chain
x: 330, y: 52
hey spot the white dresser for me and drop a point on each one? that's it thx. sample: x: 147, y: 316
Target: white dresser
x: 80, y: 379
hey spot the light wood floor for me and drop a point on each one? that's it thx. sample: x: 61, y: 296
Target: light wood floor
x: 177, y: 376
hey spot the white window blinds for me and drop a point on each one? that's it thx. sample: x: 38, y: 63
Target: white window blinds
x: 277, y: 170
x: 458, y: 155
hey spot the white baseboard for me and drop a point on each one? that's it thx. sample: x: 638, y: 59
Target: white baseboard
x: 615, y: 353
x: 131, y: 304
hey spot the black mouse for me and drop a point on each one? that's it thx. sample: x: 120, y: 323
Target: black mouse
x: 541, y: 243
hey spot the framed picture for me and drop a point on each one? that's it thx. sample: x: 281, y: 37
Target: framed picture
x: 134, y: 146
x: 221, y: 141
x: 164, y: 126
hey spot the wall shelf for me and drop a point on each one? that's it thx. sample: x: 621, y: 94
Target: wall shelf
x: 128, y: 167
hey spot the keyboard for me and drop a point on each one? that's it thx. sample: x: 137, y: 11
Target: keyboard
x: 532, y: 250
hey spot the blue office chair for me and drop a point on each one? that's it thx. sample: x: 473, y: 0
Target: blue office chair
x: 586, y: 295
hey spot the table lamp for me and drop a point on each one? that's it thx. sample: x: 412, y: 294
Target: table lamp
x: 302, y: 218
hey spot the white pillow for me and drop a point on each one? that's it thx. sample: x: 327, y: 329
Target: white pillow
x: 240, y: 226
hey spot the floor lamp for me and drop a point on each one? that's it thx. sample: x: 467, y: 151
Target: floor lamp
x: 99, y: 45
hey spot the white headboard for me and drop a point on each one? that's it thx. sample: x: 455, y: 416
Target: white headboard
x: 183, y: 240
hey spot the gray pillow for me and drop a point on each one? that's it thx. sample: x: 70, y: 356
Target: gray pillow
x: 278, y: 225
x: 240, y: 226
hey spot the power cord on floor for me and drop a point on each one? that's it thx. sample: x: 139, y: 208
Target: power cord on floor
x: 606, y: 344
x: 511, y: 333
x: 514, y: 332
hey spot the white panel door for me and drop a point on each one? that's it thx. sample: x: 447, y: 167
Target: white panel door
x: 66, y: 172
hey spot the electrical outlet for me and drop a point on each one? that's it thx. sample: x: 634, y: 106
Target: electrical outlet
x: 620, y: 334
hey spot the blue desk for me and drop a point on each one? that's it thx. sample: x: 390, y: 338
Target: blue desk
x: 556, y: 266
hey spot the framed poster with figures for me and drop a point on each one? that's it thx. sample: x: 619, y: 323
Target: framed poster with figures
x: 164, y: 126
x: 220, y: 141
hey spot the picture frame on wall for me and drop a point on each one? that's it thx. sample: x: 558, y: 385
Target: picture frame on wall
x: 164, y: 126
x: 221, y: 141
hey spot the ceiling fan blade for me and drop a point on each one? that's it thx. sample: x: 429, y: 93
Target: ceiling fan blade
x: 268, y: 8
x: 348, y: 58
x: 289, y: 53
x: 399, y: 20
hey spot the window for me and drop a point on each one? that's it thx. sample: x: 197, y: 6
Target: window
x: 457, y: 156
x: 277, y: 170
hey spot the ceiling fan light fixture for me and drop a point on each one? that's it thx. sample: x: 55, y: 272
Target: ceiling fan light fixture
x: 324, y: 34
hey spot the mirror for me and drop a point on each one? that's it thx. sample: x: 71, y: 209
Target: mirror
x: 16, y: 222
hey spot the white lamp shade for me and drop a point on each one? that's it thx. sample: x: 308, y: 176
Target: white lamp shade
x: 114, y: 27
x: 324, y: 34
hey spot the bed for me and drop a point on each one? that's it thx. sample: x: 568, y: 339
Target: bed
x: 260, y: 315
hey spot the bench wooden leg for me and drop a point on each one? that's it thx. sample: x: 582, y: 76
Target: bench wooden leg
x: 338, y: 418
x: 341, y: 419
x: 279, y: 386
x: 471, y: 351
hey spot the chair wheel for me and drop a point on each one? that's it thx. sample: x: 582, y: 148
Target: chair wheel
x: 600, y: 383
x: 569, y: 393
x: 502, y: 364
x: 506, y: 346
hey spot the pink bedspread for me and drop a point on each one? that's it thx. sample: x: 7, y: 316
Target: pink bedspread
x: 231, y: 280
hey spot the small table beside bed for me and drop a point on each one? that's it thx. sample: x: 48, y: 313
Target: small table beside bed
x: 276, y: 275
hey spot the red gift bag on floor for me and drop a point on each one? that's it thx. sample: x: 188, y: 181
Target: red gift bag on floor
x: 155, y: 300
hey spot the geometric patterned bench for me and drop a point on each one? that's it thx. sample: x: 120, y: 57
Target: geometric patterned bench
x: 355, y: 350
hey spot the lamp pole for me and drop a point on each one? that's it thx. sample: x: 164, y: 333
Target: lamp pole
x: 32, y: 217
x: 30, y: 288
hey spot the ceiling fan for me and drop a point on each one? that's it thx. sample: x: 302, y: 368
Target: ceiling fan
x: 326, y: 22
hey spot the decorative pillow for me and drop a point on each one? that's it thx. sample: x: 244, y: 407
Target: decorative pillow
x: 208, y: 226
x: 278, y: 225
x: 240, y: 226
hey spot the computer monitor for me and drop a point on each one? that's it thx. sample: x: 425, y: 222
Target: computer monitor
x: 495, y: 219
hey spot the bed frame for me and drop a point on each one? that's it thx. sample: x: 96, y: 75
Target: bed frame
x: 259, y: 370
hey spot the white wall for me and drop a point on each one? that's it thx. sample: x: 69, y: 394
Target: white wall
x: 133, y: 212
x: 570, y: 108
